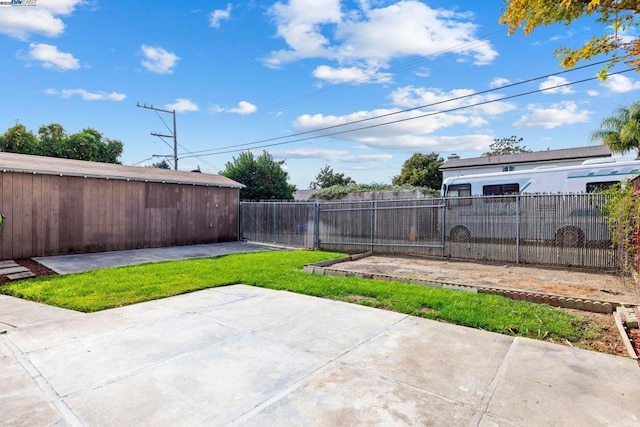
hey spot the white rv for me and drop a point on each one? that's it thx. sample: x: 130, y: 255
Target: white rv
x: 557, y: 216
x: 590, y: 176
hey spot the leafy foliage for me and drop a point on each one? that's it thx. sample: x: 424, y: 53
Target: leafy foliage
x: 340, y: 191
x: 421, y: 170
x: 162, y: 164
x: 616, y: 16
x: 52, y: 141
x: 621, y: 132
x: 502, y: 146
x: 263, y: 177
x: 622, y: 210
x: 328, y: 178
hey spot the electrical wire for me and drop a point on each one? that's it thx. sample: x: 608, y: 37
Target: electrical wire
x: 256, y: 144
x: 421, y: 116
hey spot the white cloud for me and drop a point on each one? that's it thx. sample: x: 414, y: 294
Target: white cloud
x: 244, y: 108
x: 439, y: 100
x: 412, y: 133
x: 332, y: 156
x: 86, y: 95
x: 50, y: 57
x: 499, y: 82
x: 564, y: 113
x: 554, y: 81
x: 218, y: 16
x: 182, y: 105
x: 620, y: 84
x: 593, y: 93
x: 350, y: 74
x: 44, y: 19
x: 158, y: 60
x: 369, y: 38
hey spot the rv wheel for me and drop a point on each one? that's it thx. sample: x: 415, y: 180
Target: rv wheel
x: 460, y: 234
x: 570, y: 237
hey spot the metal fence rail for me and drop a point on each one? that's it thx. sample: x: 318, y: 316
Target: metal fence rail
x: 558, y: 230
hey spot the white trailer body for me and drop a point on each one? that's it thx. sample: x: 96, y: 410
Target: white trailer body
x: 555, y: 218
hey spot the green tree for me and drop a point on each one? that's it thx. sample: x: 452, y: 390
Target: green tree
x: 264, y: 178
x: 52, y: 141
x: 614, y: 15
x: 621, y: 132
x: 421, y: 170
x: 17, y: 139
x: 162, y: 164
x: 502, y: 146
x: 328, y: 178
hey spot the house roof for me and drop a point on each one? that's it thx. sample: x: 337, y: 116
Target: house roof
x: 10, y: 162
x: 536, y: 156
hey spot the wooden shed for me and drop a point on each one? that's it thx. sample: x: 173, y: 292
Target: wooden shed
x: 59, y: 206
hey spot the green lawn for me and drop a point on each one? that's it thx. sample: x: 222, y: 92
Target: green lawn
x: 108, y: 288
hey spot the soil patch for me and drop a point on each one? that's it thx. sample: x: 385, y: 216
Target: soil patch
x: 571, y: 283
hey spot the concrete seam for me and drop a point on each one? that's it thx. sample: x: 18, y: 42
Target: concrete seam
x: 481, y: 410
x: 65, y: 411
x: 305, y: 379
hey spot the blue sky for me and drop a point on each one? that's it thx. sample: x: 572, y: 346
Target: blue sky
x: 242, y: 72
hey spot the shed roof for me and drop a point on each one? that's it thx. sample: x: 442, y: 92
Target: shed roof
x: 66, y: 167
x: 536, y: 156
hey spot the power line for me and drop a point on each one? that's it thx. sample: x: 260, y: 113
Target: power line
x: 221, y: 150
x: 421, y: 116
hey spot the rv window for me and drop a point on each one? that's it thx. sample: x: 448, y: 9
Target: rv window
x: 595, y: 187
x: 500, y: 189
x: 459, y: 190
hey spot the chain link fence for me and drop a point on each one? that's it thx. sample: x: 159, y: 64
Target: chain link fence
x: 555, y: 230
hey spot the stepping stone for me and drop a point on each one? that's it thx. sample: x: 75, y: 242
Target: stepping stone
x: 8, y: 263
x: 22, y: 275
x: 11, y: 270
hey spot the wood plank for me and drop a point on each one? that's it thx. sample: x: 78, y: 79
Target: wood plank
x: 129, y: 218
x: 88, y: 200
x: 6, y: 208
x: 46, y: 214
x: 120, y: 214
x: 54, y: 238
x: 38, y: 218
x: 17, y: 215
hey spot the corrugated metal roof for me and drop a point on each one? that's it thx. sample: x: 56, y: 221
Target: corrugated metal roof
x: 65, y: 167
x: 536, y: 156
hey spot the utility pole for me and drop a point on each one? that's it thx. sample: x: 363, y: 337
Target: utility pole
x: 173, y: 136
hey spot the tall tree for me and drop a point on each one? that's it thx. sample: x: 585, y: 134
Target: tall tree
x: 17, y: 139
x: 502, y: 146
x: 614, y: 15
x: 52, y: 141
x: 421, y: 170
x: 328, y: 178
x: 264, y: 178
x: 621, y: 132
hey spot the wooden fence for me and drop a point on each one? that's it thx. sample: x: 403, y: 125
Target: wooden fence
x: 52, y: 215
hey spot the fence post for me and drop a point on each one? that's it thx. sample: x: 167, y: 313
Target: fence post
x: 274, y: 230
x: 373, y: 223
x: 443, y: 225
x: 316, y: 226
x: 517, y: 228
x: 240, y: 225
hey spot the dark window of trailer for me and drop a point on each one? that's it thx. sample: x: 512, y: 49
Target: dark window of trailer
x: 458, y: 191
x: 500, y: 190
x: 596, y: 187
